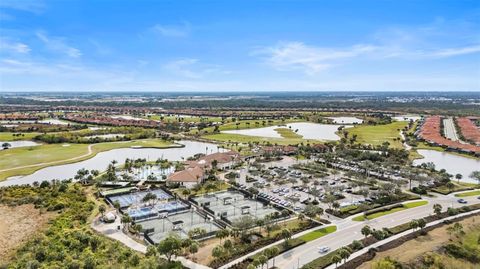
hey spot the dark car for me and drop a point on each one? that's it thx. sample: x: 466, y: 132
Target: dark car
x: 461, y: 201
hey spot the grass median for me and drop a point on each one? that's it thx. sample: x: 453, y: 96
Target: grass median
x: 318, y: 233
x: 467, y: 194
x: 390, y: 211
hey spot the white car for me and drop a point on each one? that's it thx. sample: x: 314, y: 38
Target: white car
x: 323, y: 249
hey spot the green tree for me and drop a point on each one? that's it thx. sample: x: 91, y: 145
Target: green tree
x: 274, y: 252
x: 218, y: 251
x: 6, y: 145
x: 413, y: 224
x: 336, y: 259
x: 262, y: 259
x: 437, y: 209
x: 286, y: 234
x: 421, y: 223
x: 366, y: 231
x: 476, y: 175
x: 344, y: 253
x: 102, y: 210
x: 170, y: 246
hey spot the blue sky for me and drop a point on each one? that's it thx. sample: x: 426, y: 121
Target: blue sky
x: 239, y: 45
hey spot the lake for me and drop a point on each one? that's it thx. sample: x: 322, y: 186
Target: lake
x: 306, y: 129
x: 102, y: 159
x: 452, y: 163
x: 346, y: 120
x: 406, y: 117
x: 19, y: 144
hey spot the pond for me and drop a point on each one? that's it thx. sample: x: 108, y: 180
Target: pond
x: 306, y: 129
x: 101, y: 161
x: 105, y: 136
x: 407, y: 118
x: 19, y: 144
x: 346, y: 120
x: 452, y: 163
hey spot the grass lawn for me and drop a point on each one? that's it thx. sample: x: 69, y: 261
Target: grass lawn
x: 466, y: 194
x: 223, y: 137
x: 56, y: 154
x: 377, y: 134
x: 7, y: 136
x: 287, y: 133
x: 318, y: 233
x: 383, y: 213
x: 462, y: 186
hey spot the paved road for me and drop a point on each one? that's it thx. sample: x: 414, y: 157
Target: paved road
x: 348, y: 230
x: 397, y: 236
x: 449, y: 129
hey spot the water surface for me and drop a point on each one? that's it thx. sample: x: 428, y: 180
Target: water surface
x: 19, y: 144
x: 307, y: 130
x: 101, y: 161
x: 452, y: 163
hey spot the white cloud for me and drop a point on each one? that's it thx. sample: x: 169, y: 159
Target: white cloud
x: 33, y: 6
x: 456, y: 51
x: 310, y: 59
x: 183, y: 67
x: 59, y: 45
x: 181, y: 30
x: 16, y: 47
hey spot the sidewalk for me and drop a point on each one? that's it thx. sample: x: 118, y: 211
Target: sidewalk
x: 241, y: 259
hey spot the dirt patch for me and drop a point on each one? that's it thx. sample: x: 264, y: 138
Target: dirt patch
x: 414, y: 248
x: 204, y: 254
x: 17, y: 225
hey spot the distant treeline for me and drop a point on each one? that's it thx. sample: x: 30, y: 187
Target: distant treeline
x: 456, y: 104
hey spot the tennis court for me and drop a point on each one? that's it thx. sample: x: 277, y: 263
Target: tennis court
x: 126, y: 200
x: 180, y: 224
x: 156, y: 209
x: 233, y: 205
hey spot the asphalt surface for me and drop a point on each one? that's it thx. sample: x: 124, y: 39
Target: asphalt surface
x: 348, y: 230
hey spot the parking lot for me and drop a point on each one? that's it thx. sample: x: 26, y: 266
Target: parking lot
x: 279, y: 183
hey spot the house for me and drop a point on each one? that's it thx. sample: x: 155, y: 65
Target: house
x: 189, y: 177
x: 224, y: 160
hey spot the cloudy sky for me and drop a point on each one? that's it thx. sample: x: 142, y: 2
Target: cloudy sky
x: 239, y: 45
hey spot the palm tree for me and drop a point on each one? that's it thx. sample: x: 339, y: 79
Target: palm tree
x: 458, y: 177
x: 102, y: 210
x: 344, y: 253
x: 274, y: 252
x: 476, y: 175
x: 366, y: 231
x: 336, y: 259
x: 262, y: 259
x: 286, y: 234
x: 125, y: 220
